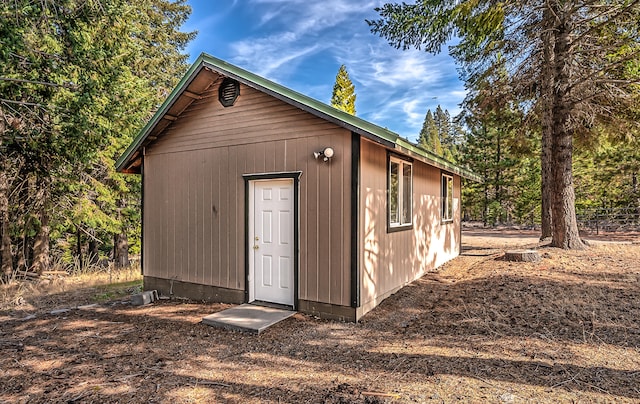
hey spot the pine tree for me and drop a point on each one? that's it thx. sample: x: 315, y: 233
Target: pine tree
x: 443, y: 122
x: 344, y: 95
x: 438, y: 134
x: 429, y: 138
x: 497, y: 148
x: 78, y: 79
x: 445, y: 127
x: 568, y: 61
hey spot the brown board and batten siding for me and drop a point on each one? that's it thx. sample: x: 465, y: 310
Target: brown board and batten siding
x: 194, y: 205
x: 391, y: 260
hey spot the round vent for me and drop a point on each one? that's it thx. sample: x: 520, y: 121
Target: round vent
x: 228, y: 92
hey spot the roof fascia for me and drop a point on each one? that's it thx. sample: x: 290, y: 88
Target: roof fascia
x: 353, y: 123
x: 166, y: 105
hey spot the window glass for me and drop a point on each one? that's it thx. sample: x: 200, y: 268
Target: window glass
x: 394, y: 192
x: 406, y: 193
x: 400, y: 192
x: 447, y: 197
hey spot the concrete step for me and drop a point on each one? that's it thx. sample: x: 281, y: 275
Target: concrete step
x: 247, y: 317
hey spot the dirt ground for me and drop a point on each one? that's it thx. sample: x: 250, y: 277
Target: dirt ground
x: 479, y: 329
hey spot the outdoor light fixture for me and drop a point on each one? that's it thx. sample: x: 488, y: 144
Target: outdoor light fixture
x: 325, y: 154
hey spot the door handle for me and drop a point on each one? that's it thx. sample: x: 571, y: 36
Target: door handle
x: 255, y: 247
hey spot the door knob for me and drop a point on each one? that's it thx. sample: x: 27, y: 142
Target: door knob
x: 255, y: 247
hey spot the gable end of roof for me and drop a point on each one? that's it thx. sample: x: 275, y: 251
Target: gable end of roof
x: 131, y: 159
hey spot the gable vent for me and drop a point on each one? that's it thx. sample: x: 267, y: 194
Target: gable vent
x: 228, y: 92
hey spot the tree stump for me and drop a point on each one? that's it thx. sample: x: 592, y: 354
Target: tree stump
x: 522, y: 256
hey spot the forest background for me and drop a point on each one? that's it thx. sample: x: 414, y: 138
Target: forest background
x: 79, y: 78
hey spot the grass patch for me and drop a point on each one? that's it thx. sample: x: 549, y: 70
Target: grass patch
x: 119, y: 290
x: 78, y: 287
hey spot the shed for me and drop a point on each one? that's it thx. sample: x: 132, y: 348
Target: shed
x: 253, y: 192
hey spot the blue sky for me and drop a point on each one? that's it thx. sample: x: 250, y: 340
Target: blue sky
x: 302, y: 43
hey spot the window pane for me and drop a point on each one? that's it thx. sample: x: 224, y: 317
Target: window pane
x: 406, y: 193
x: 394, y: 192
x: 449, y: 198
x: 443, y: 197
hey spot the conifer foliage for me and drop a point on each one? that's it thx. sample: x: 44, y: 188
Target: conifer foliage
x: 429, y: 138
x: 571, y: 65
x: 77, y: 80
x: 344, y: 93
x: 440, y: 135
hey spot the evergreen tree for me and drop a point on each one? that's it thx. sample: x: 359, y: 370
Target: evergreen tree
x: 78, y: 79
x: 497, y: 147
x: 443, y: 123
x: 344, y: 95
x: 567, y: 61
x: 429, y: 138
x: 438, y: 134
x: 607, y: 175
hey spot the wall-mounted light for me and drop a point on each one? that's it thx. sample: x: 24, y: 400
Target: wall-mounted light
x: 325, y: 154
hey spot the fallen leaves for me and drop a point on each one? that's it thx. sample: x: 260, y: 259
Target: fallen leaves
x: 476, y: 330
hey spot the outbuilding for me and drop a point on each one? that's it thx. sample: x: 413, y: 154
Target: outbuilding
x: 253, y: 192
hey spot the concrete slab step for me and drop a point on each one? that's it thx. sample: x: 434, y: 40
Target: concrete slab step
x: 247, y: 317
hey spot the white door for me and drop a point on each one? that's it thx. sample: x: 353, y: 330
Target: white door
x: 271, y: 242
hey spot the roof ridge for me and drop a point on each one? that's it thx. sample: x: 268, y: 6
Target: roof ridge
x: 323, y: 110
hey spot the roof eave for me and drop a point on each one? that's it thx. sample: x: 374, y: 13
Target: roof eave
x: 124, y: 161
x: 350, y: 122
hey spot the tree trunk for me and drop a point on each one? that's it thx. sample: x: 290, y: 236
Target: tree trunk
x: 636, y: 196
x: 485, y: 186
x: 79, y: 248
x: 547, y: 190
x: 41, y: 259
x: 93, y: 251
x: 6, y: 258
x: 485, y: 207
x: 497, y: 185
x: 120, y: 241
x: 565, y: 225
x: 546, y: 97
x: 41, y: 244
x: 121, y: 250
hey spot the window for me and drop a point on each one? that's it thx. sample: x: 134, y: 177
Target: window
x: 447, y: 198
x: 399, y: 193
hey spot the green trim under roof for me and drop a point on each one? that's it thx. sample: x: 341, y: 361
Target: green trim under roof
x: 357, y: 125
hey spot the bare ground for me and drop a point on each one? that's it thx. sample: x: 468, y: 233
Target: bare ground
x: 479, y: 329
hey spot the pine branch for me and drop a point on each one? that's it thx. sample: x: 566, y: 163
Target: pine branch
x: 578, y: 40
x: 44, y: 83
x: 607, y: 68
x: 25, y: 103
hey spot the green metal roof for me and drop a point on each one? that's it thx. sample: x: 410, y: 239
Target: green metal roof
x: 358, y: 125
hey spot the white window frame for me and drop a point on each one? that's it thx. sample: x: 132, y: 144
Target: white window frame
x: 447, y: 197
x: 402, y: 221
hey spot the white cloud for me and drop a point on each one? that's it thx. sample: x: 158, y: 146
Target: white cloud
x: 266, y: 17
x: 265, y: 56
x: 406, y: 112
x: 297, y: 42
x: 291, y: 30
x: 379, y: 63
x: 409, y: 107
x: 304, y: 16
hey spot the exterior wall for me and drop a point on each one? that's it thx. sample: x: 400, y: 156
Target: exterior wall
x: 388, y: 261
x: 194, y: 205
